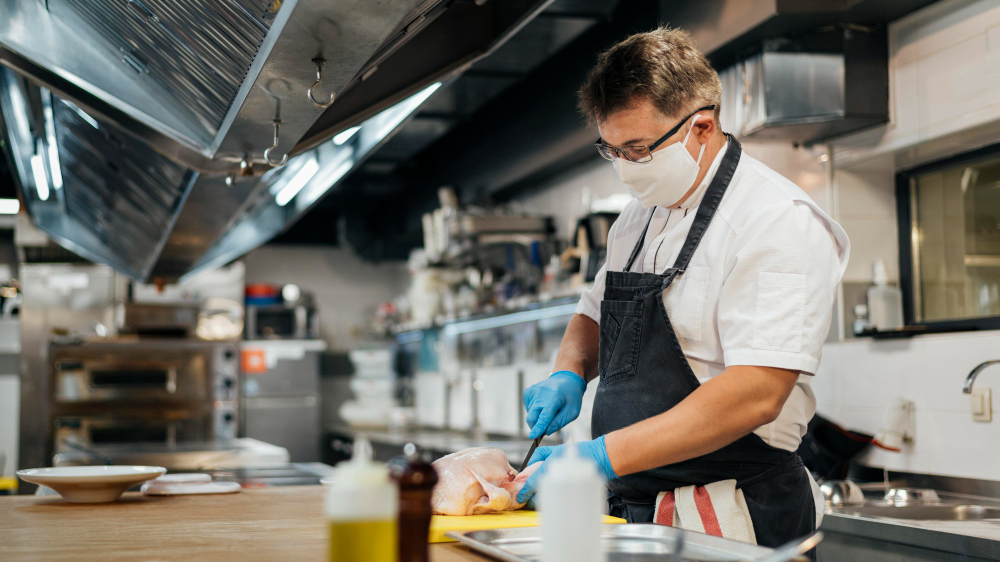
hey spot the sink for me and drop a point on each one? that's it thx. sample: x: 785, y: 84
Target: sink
x: 927, y: 512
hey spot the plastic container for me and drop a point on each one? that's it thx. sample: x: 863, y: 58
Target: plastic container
x: 885, y: 303
x: 572, y: 499
x: 362, y: 504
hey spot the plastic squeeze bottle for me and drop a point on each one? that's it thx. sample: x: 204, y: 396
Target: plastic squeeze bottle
x: 885, y: 302
x: 572, y: 499
x: 361, y: 509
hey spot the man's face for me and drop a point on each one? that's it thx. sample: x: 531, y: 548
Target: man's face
x: 639, y: 124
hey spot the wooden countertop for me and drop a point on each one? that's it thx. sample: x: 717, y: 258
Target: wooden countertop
x: 281, y: 523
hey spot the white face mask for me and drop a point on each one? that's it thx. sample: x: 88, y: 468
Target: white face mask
x: 665, y: 179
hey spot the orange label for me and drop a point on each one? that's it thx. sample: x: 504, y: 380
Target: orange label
x: 254, y: 361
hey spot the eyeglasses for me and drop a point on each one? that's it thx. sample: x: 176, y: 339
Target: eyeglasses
x: 640, y: 153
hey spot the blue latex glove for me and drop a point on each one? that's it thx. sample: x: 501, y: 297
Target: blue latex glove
x: 592, y: 450
x: 553, y: 403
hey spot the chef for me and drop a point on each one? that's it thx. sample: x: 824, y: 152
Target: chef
x: 708, y: 318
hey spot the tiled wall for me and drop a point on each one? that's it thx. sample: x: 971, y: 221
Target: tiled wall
x: 347, y: 289
x: 945, y: 91
x: 857, y: 380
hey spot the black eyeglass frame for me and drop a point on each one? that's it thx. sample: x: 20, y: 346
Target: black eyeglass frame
x: 619, y: 152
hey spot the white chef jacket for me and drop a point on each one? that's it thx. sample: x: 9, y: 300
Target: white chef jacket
x: 759, y: 289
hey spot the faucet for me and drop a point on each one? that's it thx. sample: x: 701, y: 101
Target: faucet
x: 969, y: 380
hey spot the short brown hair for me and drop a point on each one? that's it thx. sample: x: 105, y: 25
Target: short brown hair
x: 662, y: 65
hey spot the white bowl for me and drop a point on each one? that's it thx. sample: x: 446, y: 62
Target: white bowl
x: 91, y: 484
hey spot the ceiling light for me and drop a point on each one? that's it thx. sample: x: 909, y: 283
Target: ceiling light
x: 41, y: 182
x: 344, y: 136
x: 297, y: 182
x: 392, y: 117
x: 9, y: 206
x: 82, y: 115
x: 328, y: 181
x: 50, y: 135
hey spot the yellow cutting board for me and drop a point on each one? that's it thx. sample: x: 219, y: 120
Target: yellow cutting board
x: 441, y: 524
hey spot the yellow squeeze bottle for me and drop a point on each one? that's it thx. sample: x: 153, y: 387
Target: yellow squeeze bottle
x: 362, y: 509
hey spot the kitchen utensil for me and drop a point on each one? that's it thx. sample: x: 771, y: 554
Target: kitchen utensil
x: 441, y: 525
x: 910, y: 496
x: 839, y: 493
x: 628, y: 542
x: 531, y: 451
x: 794, y: 549
x: 91, y: 484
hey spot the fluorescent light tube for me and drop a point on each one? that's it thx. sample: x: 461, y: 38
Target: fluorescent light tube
x: 297, y: 182
x: 41, y: 182
x: 344, y: 136
x: 9, y: 206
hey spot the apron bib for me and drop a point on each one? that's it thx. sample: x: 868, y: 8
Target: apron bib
x: 643, y: 373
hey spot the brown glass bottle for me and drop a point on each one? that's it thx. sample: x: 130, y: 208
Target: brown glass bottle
x: 416, y: 484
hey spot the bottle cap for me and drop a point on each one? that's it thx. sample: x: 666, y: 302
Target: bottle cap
x: 360, y: 470
x: 879, y: 274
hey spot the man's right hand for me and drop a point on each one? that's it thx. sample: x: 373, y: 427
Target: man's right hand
x: 553, y: 403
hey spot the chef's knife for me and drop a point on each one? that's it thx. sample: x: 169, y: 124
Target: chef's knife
x: 531, y: 451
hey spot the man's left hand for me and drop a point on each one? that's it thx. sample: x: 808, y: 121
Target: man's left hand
x: 593, y: 451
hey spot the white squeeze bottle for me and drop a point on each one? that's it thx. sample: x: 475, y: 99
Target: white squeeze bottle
x: 572, y: 498
x: 885, y: 302
x: 362, y: 509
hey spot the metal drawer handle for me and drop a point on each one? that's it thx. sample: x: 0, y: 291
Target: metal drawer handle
x: 319, y: 78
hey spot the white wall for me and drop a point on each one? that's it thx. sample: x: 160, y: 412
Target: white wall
x: 945, y: 99
x: 858, y: 379
x: 347, y: 289
x: 563, y: 198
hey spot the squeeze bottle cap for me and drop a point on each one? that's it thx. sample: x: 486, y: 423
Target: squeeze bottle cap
x: 360, y: 469
x: 879, y: 274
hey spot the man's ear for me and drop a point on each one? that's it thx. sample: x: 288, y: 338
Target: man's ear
x: 704, y: 129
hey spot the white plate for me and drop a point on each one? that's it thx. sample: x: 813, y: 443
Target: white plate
x: 91, y: 484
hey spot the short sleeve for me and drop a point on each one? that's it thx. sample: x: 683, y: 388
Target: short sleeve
x: 777, y: 298
x: 590, y: 300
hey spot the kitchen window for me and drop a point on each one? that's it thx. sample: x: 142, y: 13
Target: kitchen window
x: 949, y: 226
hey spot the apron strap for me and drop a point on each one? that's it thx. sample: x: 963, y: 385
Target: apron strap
x: 639, y: 242
x: 708, y: 206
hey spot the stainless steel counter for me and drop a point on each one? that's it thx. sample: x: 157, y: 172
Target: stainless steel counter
x: 962, y: 524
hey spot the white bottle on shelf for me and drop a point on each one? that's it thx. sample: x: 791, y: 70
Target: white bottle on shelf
x: 885, y: 303
x: 572, y: 499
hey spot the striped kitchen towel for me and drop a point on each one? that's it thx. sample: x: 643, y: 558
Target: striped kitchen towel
x: 716, y: 509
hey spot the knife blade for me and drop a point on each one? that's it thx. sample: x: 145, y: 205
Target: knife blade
x: 531, y: 451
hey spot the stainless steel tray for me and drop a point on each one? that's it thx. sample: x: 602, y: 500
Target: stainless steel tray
x: 631, y: 542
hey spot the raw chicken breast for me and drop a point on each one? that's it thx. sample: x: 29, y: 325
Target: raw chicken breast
x: 477, y: 480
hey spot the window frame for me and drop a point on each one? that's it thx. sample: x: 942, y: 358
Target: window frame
x: 904, y: 216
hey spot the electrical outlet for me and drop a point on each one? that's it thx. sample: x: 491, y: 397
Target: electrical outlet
x: 981, y: 404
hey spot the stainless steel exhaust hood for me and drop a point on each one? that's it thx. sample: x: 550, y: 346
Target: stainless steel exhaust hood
x: 218, y: 92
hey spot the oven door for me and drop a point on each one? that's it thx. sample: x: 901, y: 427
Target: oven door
x: 169, y: 373
x: 99, y: 381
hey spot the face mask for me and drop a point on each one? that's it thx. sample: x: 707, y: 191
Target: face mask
x: 665, y: 179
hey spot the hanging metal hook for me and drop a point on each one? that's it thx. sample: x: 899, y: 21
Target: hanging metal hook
x: 319, y: 78
x: 267, y: 152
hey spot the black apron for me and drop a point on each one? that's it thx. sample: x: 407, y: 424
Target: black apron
x: 643, y: 373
